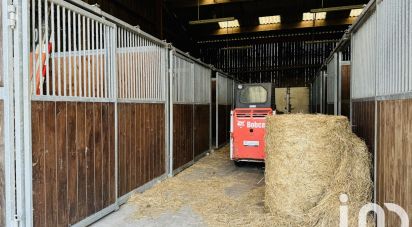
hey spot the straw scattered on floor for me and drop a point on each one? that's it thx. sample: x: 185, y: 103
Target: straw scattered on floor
x: 203, y: 187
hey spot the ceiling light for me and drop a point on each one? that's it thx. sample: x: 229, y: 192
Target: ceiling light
x: 210, y: 21
x: 229, y: 24
x: 312, y: 16
x: 355, y: 12
x: 270, y: 20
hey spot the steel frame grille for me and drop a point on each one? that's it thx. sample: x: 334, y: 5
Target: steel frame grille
x: 141, y: 67
x: 71, y: 53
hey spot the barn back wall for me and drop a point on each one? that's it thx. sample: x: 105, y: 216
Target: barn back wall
x: 289, y: 59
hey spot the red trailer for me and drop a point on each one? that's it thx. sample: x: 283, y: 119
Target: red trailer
x: 254, y: 102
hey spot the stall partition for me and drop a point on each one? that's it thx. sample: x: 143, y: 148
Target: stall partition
x: 223, y: 87
x: 190, y: 110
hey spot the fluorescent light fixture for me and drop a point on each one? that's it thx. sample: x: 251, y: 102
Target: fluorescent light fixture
x: 312, y: 16
x: 211, y: 21
x: 229, y: 24
x: 269, y: 20
x: 355, y: 12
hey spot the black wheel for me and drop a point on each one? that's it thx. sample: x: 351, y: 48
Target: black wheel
x: 239, y: 163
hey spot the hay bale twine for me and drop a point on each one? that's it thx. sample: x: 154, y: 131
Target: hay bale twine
x: 310, y: 161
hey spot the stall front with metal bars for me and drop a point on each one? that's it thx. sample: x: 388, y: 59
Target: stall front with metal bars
x: 223, y: 89
x: 190, y: 107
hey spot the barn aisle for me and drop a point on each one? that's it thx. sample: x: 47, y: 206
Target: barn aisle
x: 213, y: 192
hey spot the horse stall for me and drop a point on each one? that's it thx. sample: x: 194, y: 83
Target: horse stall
x: 98, y: 95
x: 142, y: 110
x: 190, y: 110
x: 222, y: 89
x: 73, y: 113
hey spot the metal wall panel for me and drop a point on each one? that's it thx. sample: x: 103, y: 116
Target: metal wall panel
x: 364, y: 55
x: 394, y: 47
x: 183, y: 79
x: 332, y: 75
x: 202, y: 87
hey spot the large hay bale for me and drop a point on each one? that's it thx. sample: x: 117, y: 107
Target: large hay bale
x: 312, y: 160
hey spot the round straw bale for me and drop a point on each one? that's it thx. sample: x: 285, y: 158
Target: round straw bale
x: 310, y: 161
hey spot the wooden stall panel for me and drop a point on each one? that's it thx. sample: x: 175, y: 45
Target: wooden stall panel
x: 363, y: 121
x: 201, y: 129
x: 394, y: 148
x: 2, y: 153
x: 141, y: 144
x: 182, y: 135
x: 213, y: 90
x: 345, y: 106
x: 69, y: 181
x: 223, y: 124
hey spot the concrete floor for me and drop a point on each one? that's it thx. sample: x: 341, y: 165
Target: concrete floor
x: 210, y: 193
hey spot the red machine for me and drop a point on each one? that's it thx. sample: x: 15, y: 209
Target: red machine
x: 254, y: 102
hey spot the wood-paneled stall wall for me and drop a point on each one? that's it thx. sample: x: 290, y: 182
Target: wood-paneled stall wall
x: 222, y: 104
x: 381, y: 101
x: 99, y: 131
x: 191, y: 103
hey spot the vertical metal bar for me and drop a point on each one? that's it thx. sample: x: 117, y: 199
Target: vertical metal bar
x: 87, y: 59
x: 64, y: 51
x: 73, y: 58
x: 46, y: 18
x: 103, y: 56
x: 26, y: 107
x: 34, y: 48
x: 82, y: 92
x: 170, y: 97
x: 129, y: 66
x: 96, y: 58
x: 83, y: 56
x: 53, y: 52
x: 92, y: 54
x: 40, y: 32
x: 120, y: 57
x: 59, y: 76
x: 98, y: 61
x: 69, y: 25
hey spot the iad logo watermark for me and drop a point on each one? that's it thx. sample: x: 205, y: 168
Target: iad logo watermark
x: 371, y: 207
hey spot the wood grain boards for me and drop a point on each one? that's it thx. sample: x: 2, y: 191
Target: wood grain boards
x: 191, y: 132
x: 394, y: 157
x: 363, y: 121
x: 345, y: 97
x: 201, y: 122
x: 223, y: 124
x: 73, y: 165
x: 141, y: 144
x: 183, y: 134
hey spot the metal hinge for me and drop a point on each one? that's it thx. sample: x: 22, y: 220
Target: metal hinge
x: 11, y: 9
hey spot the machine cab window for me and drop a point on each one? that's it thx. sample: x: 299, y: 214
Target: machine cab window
x: 253, y: 95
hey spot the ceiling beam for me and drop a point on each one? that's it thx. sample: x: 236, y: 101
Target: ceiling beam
x: 337, y: 8
x: 277, y: 27
x: 194, y: 3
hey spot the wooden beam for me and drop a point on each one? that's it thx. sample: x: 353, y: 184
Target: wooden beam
x: 277, y: 27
